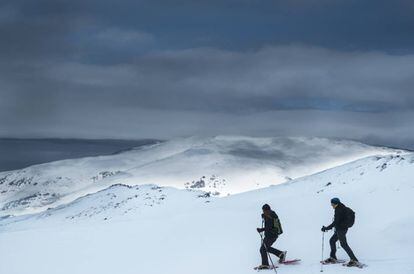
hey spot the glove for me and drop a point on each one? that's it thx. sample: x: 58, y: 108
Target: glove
x: 324, y: 229
x: 260, y: 229
x: 265, y: 216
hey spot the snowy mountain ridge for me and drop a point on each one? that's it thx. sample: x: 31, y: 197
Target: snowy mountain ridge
x: 220, y: 165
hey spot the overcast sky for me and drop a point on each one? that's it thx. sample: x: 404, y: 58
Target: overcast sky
x: 163, y: 69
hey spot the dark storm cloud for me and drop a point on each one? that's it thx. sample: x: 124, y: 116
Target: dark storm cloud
x: 71, y: 29
x: 132, y: 69
x: 227, y: 81
x: 278, y: 90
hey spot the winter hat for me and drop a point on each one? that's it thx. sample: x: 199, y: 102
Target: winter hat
x: 335, y: 201
x: 266, y: 207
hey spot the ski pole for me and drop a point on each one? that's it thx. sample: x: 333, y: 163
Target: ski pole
x: 268, y: 254
x: 323, y: 245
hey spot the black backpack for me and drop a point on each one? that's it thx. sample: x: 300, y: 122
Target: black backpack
x: 349, y: 217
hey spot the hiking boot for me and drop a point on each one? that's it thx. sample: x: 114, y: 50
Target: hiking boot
x: 330, y: 261
x: 282, y: 257
x: 352, y: 263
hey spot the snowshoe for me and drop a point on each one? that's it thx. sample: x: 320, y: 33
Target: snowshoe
x: 353, y: 263
x: 264, y: 267
x: 289, y: 262
x: 332, y: 261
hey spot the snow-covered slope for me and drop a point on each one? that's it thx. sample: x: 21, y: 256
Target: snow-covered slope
x: 117, y: 202
x: 186, y: 233
x: 220, y: 165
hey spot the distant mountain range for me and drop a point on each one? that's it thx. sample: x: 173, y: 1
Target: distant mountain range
x: 219, y: 166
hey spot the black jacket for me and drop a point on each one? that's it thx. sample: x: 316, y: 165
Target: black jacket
x: 272, y: 227
x: 340, y: 218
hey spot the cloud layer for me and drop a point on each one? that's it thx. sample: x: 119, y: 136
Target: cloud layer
x: 157, y: 70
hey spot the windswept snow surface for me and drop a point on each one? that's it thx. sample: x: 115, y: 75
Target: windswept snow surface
x: 132, y: 230
x: 220, y: 165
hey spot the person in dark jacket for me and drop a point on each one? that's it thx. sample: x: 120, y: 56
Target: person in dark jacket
x: 272, y: 229
x: 341, y: 228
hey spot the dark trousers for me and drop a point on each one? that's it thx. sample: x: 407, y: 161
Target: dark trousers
x: 267, y: 245
x: 341, y: 236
